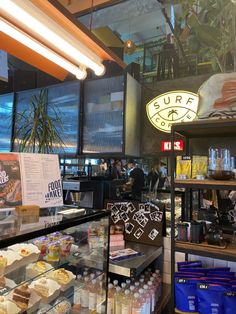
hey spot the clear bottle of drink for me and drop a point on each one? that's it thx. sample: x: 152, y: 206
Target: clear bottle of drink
x: 126, y: 303
x: 123, y: 287
x: 142, y: 299
x: 155, y: 281
x: 110, y: 299
x: 115, y: 283
x: 92, y: 276
x: 159, y: 280
x: 137, y: 286
x: 93, y: 289
x: 128, y: 282
x: 100, y: 297
x: 85, y: 293
x: 78, y: 290
x: 141, y: 282
x: 132, y: 289
x: 153, y: 295
x: 137, y: 304
x: 117, y: 300
x: 148, y: 299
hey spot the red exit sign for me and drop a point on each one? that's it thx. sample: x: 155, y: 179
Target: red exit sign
x: 166, y: 145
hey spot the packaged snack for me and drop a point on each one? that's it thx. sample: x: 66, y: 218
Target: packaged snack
x: 183, y: 167
x: 41, y: 243
x: 66, y: 241
x: 199, y: 166
x: 186, y: 294
x: 55, y: 236
x: 53, y: 251
x: 210, y: 298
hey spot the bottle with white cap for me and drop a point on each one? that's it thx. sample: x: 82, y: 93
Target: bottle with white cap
x: 123, y: 287
x: 126, y: 303
x: 93, y: 289
x: 110, y: 299
x: 117, y: 300
x: 132, y: 289
x: 142, y: 282
x: 137, y: 286
x: 148, y: 299
x: 115, y: 283
x: 136, y: 304
x: 153, y: 295
x: 128, y: 282
x: 85, y: 293
x: 159, y: 283
x: 142, y: 299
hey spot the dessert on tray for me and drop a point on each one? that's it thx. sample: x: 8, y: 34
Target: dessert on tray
x: 35, y: 269
x: 3, y: 305
x: 3, y: 263
x: 46, y: 288
x: 61, y: 276
x: 21, y: 296
x: 42, y: 287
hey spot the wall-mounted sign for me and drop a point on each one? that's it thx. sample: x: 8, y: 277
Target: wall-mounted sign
x: 166, y: 145
x: 172, y: 107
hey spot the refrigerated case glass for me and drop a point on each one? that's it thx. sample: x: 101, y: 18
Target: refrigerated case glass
x: 6, y: 114
x: 103, y: 115
x: 57, y: 269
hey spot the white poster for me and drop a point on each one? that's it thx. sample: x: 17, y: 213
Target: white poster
x: 30, y: 179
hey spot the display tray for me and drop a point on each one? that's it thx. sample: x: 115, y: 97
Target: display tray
x: 228, y: 253
x: 206, y: 245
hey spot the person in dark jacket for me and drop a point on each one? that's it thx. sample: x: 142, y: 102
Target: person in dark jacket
x: 136, y: 180
x: 155, y: 177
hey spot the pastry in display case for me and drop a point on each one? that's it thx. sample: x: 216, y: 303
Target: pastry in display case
x: 50, y: 270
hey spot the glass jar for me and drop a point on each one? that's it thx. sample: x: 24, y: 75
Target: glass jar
x: 219, y: 164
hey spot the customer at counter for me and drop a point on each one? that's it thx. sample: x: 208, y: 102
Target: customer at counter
x: 155, y: 178
x: 116, y: 170
x: 135, y: 181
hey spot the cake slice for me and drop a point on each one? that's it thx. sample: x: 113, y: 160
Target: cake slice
x: 3, y: 305
x: 21, y: 296
x: 2, y: 282
x: 3, y: 263
x: 41, y: 287
x: 61, y: 276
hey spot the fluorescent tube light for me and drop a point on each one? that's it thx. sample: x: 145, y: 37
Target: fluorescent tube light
x: 26, y: 40
x: 51, y: 33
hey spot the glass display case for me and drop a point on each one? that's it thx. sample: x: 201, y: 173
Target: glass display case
x: 6, y: 109
x: 58, y: 269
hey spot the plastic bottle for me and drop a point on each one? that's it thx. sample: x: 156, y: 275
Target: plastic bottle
x: 141, y: 282
x: 137, y: 286
x: 110, y: 299
x: 132, y: 289
x: 92, y: 276
x: 126, y: 303
x: 93, y: 289
x: 123, y: 287
x: 137, y: 304
x: 78, y: 290
x: 85, y: 293
x: 148, y: 299
x: 115, y: 283
x: 117, y: 300
x: 155, y: 282
x: 128, y: 282
x: 142, y: 300
x: 153, y: 295
x: 159, y: 282
x: 100, y: 297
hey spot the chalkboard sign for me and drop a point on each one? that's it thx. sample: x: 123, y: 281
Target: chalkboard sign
x: 143, y: 222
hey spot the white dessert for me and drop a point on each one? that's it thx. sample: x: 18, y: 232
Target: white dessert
x: 41, y: 286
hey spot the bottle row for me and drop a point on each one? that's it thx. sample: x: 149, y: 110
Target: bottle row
x: 135, y: 296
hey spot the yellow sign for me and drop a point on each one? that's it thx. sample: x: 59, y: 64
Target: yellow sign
x: 172, y: 107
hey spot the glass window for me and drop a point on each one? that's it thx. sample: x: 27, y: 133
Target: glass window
x: 64, y: 99
x: 6, y: 109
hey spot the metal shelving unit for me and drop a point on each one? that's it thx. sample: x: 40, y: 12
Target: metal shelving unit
x: 134, y: 266
x: 198, y: 129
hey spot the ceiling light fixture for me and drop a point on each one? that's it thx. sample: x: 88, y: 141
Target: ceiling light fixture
x: 26, y: 40
x: 35, y: 22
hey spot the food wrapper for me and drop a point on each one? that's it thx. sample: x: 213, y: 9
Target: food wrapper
x: 183, y: 167
x: 199, y: 166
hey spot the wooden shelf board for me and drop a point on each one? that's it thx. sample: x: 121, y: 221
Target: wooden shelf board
x: 207, y: 183
x: 228, y: 253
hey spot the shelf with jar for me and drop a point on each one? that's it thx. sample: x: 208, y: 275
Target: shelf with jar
x: 203, y: 232
x: 56, y: 269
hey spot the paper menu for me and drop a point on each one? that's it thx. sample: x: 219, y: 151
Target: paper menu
x: 30, y: 179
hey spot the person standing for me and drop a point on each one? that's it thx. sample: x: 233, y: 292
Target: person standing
x: 135, y: 181
x: 155, y: 179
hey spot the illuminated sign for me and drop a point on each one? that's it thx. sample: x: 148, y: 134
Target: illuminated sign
x: 172, y: 107
x: 166, y: 145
